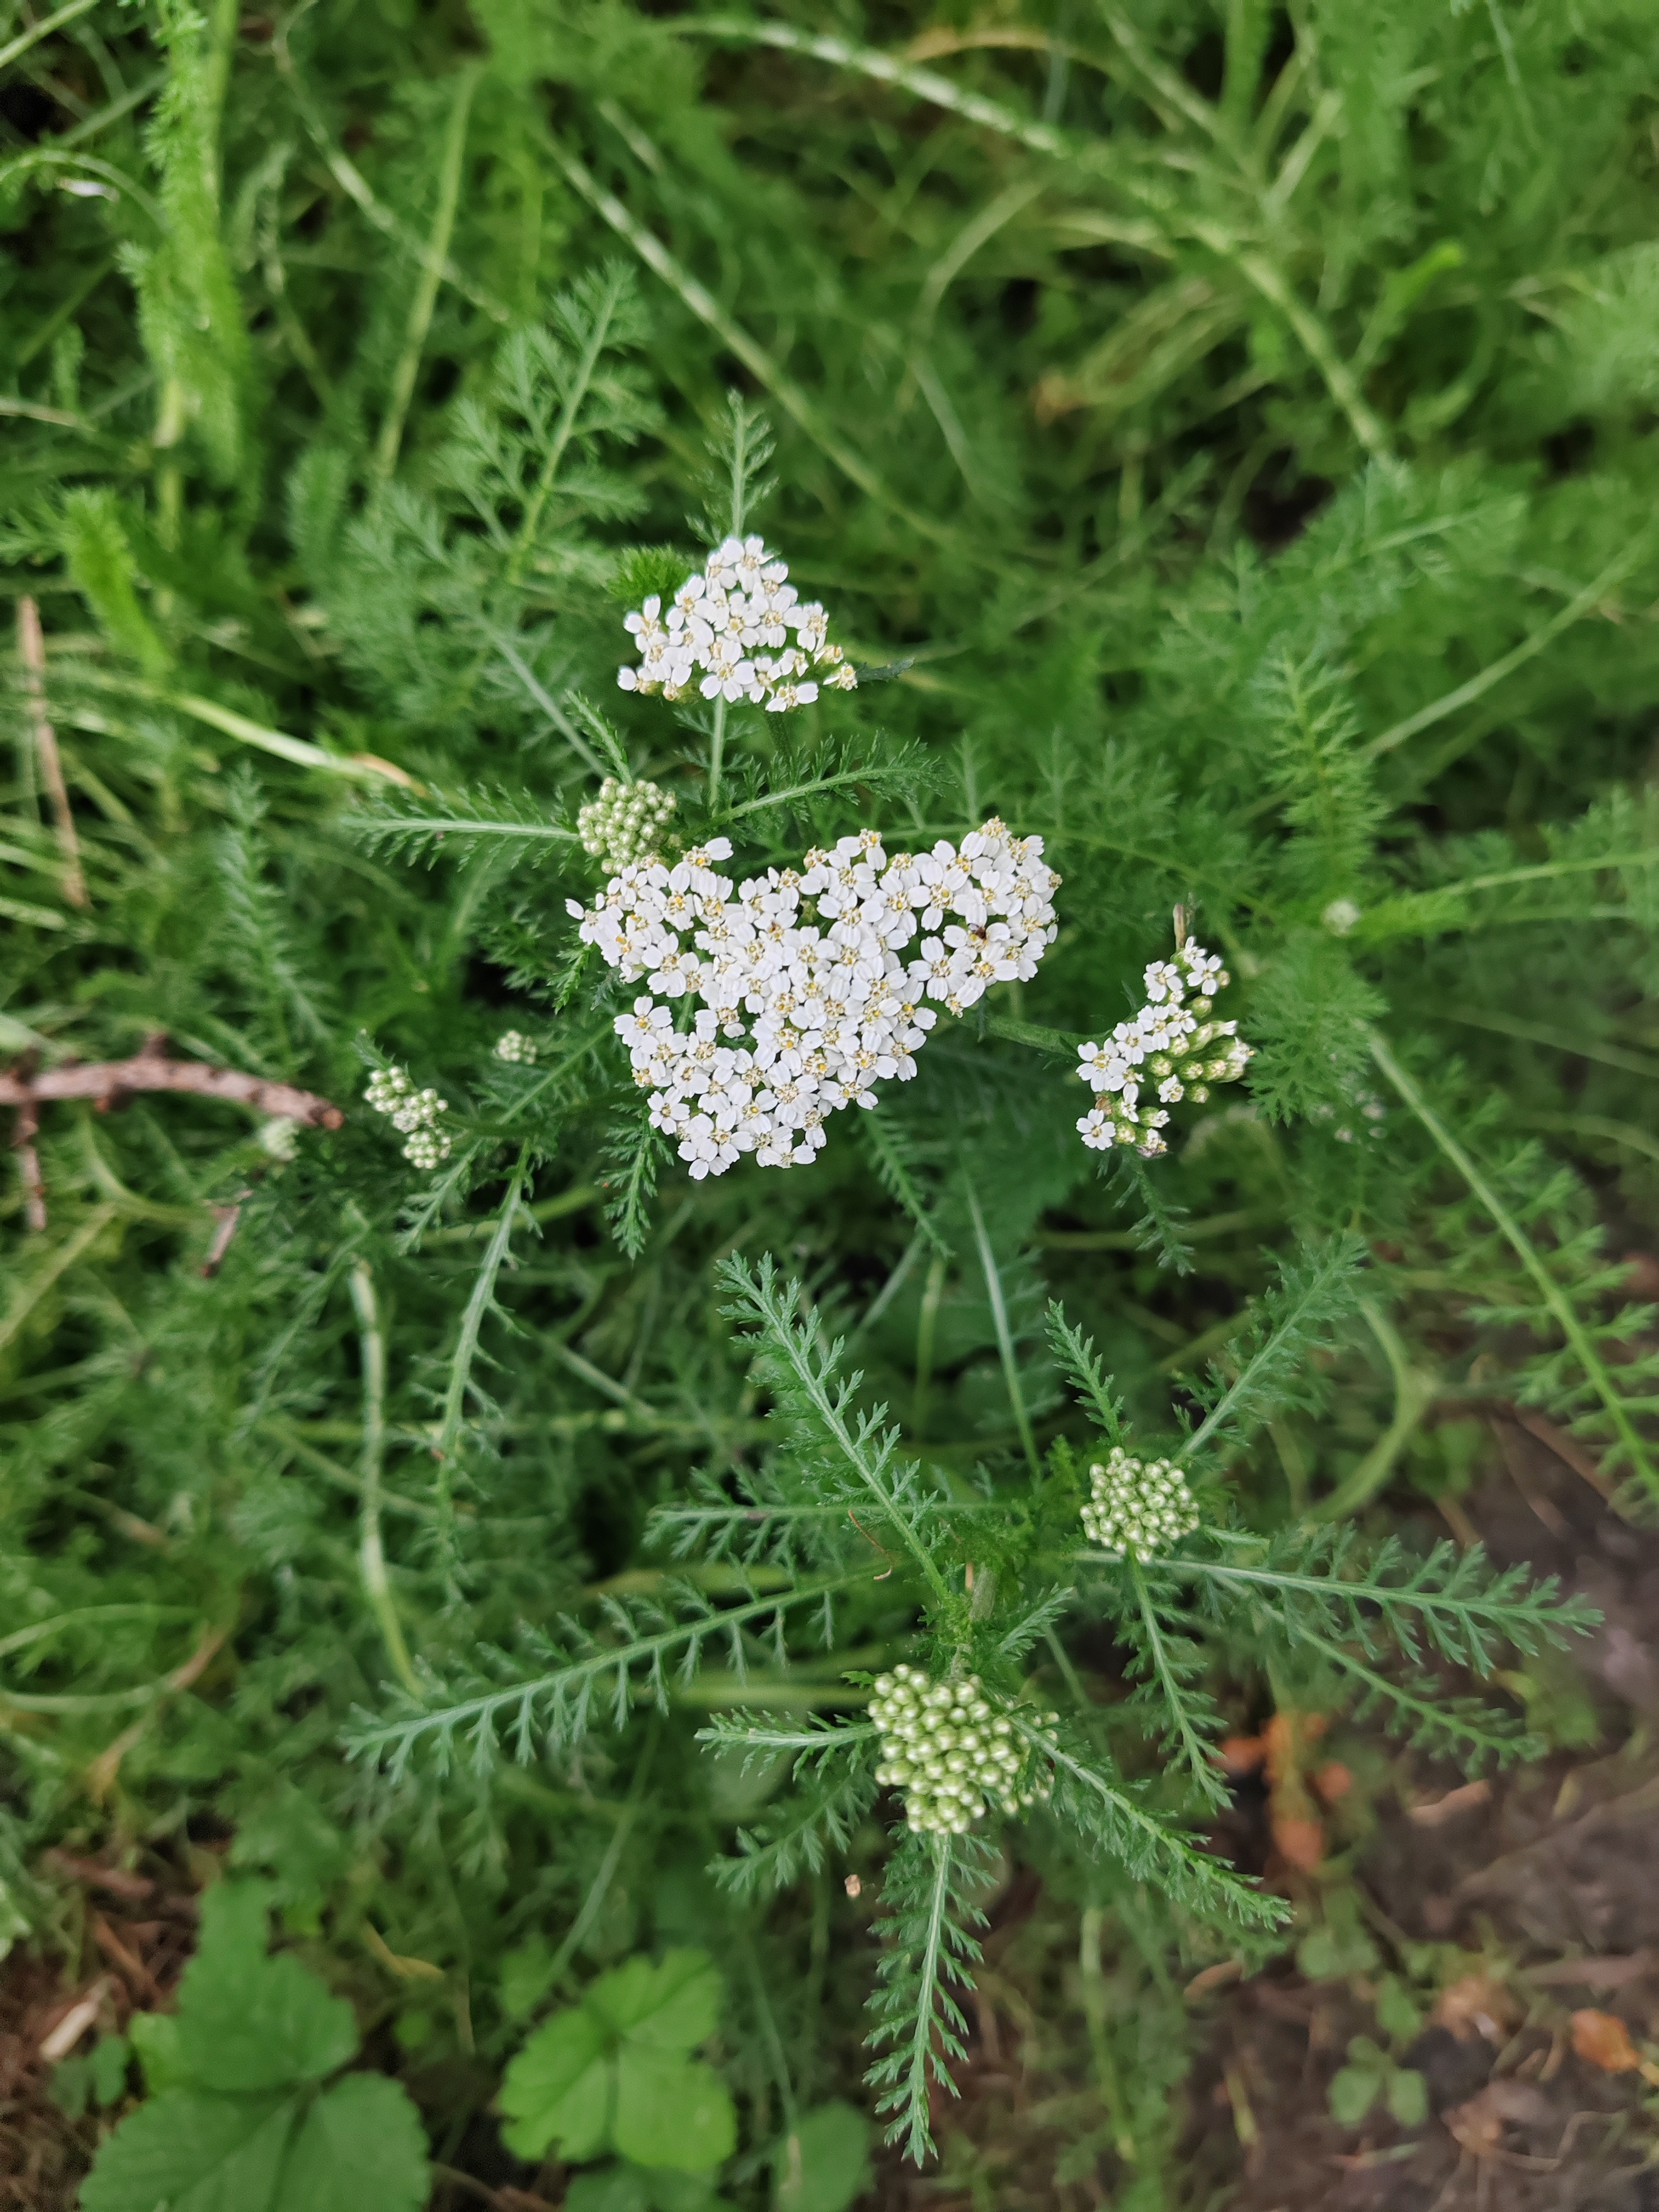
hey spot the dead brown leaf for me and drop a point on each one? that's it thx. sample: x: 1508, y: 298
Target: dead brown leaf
x: 1218, y: 1977
x: 1475, y: 2004
x: 1602, y: 2039
x: 1477, y: 2125
x: 1432, y: 1811
x: 1301, y: 1842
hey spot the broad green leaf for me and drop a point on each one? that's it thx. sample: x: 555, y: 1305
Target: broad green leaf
x: 1396, y: 2015
x: 820, y: 2166
x: 1408, y: 2097
x: 668, y: 2192
x: 70, y: 2087
x: 672, y: 2006
x: 526, y: 1974
x: 612, y: 2189
x: 155, y: 2039
x: 247, y: 2021
x: 672, y: 2110
x: 625, y: 2188
x: 1352, y: 2093
x: 559, y: 2088
x: 110, y: 2057
x: 281, y: 2026
x: 361, y: 2148
x: 614, y: 2072
x: 1333, y: 1951
x: 193, y: 2153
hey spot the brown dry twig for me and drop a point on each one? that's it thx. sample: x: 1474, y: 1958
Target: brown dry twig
x: 28, y: 1163
x: 108, y: 1083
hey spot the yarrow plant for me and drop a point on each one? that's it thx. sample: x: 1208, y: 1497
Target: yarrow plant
x: 944, y: 1746
x: 516, y: 1048
x: 580, y: 1511
x: 1166, y: 1049
x: 1137, y: 1508
x: 625, y: 823
x: 414, y: 1113
x: 794, y: 1018
x: 734, y: 621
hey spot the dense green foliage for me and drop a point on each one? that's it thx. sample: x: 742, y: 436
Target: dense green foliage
x: 1224, y: 439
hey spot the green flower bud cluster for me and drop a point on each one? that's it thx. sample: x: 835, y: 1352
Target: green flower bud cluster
x: 1188, y: 1074
x: 624, y: 824
x: 1139, y: 1507
x: 414, y: 1113
x: 943, y: 1744
x: 515, y: 1047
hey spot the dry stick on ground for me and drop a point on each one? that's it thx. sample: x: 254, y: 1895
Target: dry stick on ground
x: 28, y: 1163
x: 32, y: 651
x: 107, y: 1082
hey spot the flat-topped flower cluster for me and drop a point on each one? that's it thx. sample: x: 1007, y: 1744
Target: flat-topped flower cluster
x: 796, y: 1017
x: 1167, y: 1048
x: 734, y: 623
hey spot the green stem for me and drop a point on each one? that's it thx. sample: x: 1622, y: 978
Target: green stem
x: 1005, y: 1334
x: 599, y: 338
x: 1097, y: 2013
x: 1553, y: 1297
x: 1415, y: 1392
x: 927, y: 1969
x: 716, y: 748
x: 15, y: 47
x: 460, y: 1367
x: 1195, y: 1751
x: 216, y: 82
x: 1595, y: 1124
x: 927, y: 1332
x: 370, y: 1552
x: 1546, y: 634
x: 426, y: 288
x: 599, y: 1888
x: 1582, y: 1048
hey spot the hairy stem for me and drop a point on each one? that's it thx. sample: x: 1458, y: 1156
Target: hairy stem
x: 371, y: 1552
x: 466, y: 1345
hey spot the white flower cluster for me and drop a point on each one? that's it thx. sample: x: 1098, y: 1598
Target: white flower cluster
x: 734, y: 623
x: 816, y: 1011
x: 1139, y: 1506
x: 625, y: 823
x: 515, y: 1047
x: 1166, y: 1046
x: 414, y: 1114
x: 943, y: 1745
